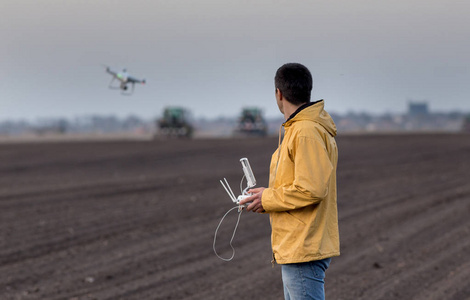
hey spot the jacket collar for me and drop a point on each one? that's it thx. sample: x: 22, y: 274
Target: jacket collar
x: 312, y: 111
x: 304, y: 106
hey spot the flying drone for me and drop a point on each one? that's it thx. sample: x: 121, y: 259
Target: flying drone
x: 124, y: 80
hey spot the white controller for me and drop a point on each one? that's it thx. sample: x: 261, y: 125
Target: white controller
x: 243, y: 197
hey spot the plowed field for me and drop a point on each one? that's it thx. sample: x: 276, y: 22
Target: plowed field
x: 136, y: 220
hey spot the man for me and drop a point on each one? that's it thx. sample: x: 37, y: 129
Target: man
x: 301, y: 197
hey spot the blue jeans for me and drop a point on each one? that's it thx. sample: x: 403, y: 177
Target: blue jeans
x: 304, y: 281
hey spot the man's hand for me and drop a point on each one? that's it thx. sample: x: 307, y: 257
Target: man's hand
x: 256, y: 205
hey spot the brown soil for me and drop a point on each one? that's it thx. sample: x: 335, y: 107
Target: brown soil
x: 136, y: 220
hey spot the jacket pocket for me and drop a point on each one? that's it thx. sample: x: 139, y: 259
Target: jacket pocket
x: 288, y: 234
x: 295, y: 215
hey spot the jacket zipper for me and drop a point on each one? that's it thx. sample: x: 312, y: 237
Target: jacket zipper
x: 278, y: 150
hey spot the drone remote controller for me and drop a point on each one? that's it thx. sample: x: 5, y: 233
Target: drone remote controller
x: 243, y: 197
x: 250, y: 182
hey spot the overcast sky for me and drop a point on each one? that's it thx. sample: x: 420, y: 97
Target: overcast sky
x: 215, y: 57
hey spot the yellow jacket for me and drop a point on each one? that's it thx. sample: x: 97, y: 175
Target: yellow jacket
x: 301, y: 197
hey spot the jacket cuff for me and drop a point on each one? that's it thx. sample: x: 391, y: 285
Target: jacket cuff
x: 267, y: 200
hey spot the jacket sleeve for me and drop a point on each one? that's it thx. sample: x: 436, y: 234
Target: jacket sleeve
x: 312, y: 171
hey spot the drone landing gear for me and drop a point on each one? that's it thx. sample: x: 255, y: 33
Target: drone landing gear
x: 124, y: 88
x: 113, y: 87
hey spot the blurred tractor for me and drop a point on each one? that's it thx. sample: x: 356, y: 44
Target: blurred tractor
x: 175, y: 122
x: 251, y: 123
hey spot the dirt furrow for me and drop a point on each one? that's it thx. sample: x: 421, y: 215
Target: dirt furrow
x: 136, y: 220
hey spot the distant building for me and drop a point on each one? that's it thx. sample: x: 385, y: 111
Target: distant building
x: 418, y: 108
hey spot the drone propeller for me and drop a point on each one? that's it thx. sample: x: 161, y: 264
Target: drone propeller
x: 106, y: 67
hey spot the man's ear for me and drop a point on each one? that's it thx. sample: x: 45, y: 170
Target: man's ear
x: 279, y: 93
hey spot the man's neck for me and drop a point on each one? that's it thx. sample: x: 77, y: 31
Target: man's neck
x: 289, y: 109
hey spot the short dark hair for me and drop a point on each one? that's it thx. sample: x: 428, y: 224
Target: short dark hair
x: 295, y: 82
